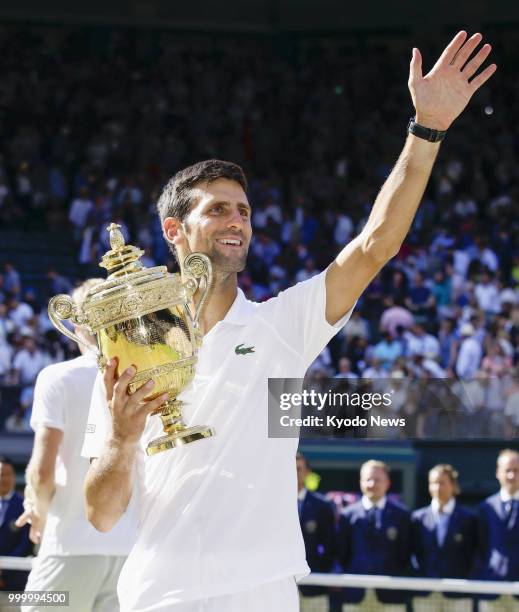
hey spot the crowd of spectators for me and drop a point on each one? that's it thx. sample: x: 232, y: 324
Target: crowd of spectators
x: 95, y: 121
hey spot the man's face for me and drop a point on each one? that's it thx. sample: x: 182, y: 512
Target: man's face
x: 507, y: 473
x: 7, y: 478
x: 344, y: 364
x: 440, y: 487
x: 221, y: 213
x: 374, y: 482
x: 29, y: 344
x: 302, y: 473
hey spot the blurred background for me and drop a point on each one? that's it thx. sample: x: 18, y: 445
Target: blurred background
x: 101, y: 102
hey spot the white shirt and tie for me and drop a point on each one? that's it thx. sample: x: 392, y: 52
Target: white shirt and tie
x: 378, y: 507
x: 510, y: 505
x: 442, y: 517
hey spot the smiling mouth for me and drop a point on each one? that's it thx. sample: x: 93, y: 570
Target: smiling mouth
x: 231, y: 242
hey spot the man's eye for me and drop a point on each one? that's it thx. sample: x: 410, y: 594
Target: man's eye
x: 216, y: 209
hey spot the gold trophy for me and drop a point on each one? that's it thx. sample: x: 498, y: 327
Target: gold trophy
x: 141, y: 316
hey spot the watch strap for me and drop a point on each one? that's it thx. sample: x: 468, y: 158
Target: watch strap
x: 423, y: 132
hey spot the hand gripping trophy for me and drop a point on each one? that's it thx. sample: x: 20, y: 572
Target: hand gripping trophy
x: 142, y: 316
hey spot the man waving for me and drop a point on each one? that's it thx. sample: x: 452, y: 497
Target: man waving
x: 220, y: 529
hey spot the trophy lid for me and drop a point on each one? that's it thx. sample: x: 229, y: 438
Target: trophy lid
x: 131, y: 289
x: 121, y: 259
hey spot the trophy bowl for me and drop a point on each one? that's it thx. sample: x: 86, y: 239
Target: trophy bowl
x: 142, y: 316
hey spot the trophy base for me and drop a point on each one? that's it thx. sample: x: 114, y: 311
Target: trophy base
x: 178, y: 438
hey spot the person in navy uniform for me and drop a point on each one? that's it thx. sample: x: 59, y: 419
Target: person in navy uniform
x: 499, y: 533
x: 317, y: 518
x: 374, y: 538
x: 14, y: 541
x: 444, y: 541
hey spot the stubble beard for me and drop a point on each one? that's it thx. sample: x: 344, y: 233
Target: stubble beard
x: 227, y: 265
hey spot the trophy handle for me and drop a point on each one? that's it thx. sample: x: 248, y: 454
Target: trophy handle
x: 198, y: 265
x: 62, y: 307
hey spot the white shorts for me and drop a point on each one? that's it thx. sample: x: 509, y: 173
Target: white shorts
x: 279, y: 596
x: 90, y: 579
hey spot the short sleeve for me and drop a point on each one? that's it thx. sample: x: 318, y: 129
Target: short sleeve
x: 48, y: 409
x: 98, y: 423
x: 299, y: 316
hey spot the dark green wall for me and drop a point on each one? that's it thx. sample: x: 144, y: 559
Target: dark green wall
x: 338, y: 464
x: 269, y: 15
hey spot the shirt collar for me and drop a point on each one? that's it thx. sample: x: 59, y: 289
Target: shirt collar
x: 8, y: 496
x: 302, y: 494
x: 505, y: 496
x: 240, y: 311
x: 447, y: 509
x: 367, y: 504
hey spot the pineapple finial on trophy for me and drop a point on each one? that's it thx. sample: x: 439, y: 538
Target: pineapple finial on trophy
x: 116, y: 238
x: 122, y: 259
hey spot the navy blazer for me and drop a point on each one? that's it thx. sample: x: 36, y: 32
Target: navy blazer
x: 455, y: 558
x: 14, y: 542
x: 365, y: 549
x: 498, y: 541
x: 317, y: 520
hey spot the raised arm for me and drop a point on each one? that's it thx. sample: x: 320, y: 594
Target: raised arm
x: 109, y: 481
x: 438, y: 97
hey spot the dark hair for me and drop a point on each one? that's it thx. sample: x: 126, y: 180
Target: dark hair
x: 6, y: 461
x: 300, y: 456
x: 176, y: 197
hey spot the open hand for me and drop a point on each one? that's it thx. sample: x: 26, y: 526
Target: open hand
x: 36, y: 521
x: 442, y: 94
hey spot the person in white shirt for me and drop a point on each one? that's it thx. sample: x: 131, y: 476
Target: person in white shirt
x: 73, y: 556
x: 28, y: 362
x: 343, y: 228
x: 80, y: 208
x: 19, y: 313
x: 419, y: 342
x: 487, y: 294
x: 470, y: 353
x: 6, y: 355
x: 345, y: 369
x: 219, y: 529
x: 357, y: 326
x: 461, y: 261
x: 376, y: 374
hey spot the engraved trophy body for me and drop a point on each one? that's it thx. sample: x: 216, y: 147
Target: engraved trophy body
x: 141, y: 316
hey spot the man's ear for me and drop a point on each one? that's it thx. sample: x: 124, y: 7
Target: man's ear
x: 173, y: 232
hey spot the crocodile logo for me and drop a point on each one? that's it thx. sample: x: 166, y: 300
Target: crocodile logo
x: 243, y: 351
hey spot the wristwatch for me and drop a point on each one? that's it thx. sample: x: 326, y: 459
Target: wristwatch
x: 426, y: 133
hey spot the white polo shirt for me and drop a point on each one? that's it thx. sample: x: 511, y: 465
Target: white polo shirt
x: 220, y: 515
x: 61, y: 401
